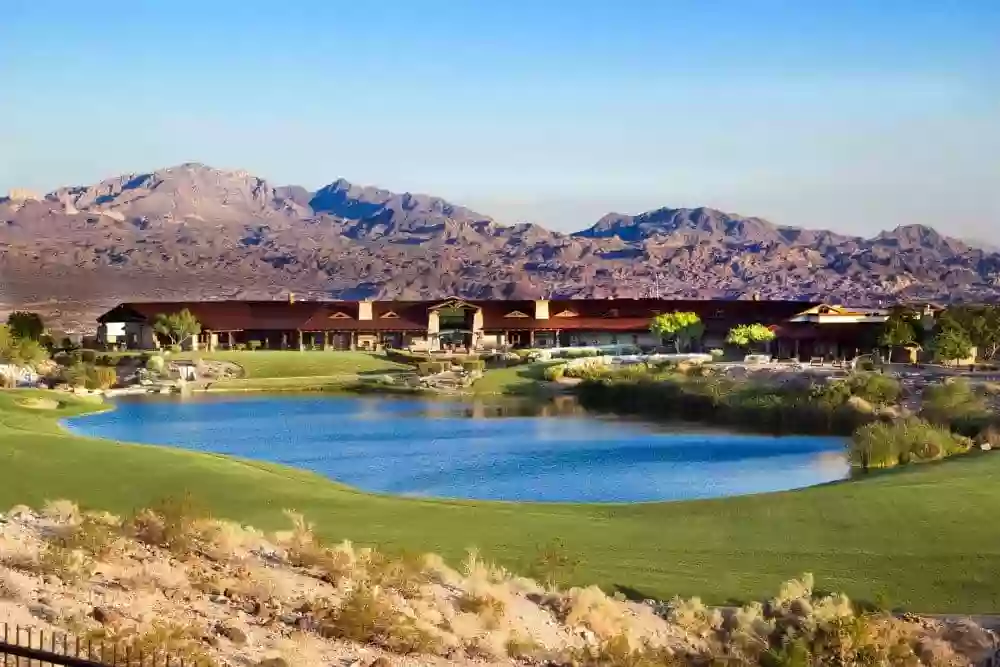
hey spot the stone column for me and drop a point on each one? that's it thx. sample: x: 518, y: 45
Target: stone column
x: 230, y: 340
x: 301, y: 344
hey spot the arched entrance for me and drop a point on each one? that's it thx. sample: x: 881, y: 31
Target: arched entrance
x: 456, y: 324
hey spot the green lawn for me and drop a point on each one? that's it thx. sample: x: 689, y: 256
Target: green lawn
x: 511, y: 381
x: 925, y: 537
x: 264, y: 364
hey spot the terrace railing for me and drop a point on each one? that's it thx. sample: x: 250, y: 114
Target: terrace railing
x: 29, y: 647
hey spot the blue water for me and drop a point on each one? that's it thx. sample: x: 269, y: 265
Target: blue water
x: 497, y: 451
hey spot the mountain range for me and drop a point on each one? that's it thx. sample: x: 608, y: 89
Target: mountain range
x: 194, y: 232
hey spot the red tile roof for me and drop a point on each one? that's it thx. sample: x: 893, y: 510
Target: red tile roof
x: 592, y: 314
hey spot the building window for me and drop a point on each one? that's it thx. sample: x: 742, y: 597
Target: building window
x: 340, y: 316
x: 390, y: 316
x: 515, y: 313
x: 566, y: 313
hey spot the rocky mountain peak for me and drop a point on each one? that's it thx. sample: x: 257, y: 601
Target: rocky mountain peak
x: 194, y: 231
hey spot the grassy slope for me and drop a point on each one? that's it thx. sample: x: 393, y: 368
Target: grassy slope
x: 512, y: 381
x: 925, y: 537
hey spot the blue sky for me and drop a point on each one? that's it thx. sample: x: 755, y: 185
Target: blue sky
x: 853, y: 115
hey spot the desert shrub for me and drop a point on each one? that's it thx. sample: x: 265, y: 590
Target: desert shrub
x: 75, y: 375
x: 70, y: 565
x: 717, y: 354
x: 135, y: 647
x: 481, y: 605
x: 88, y: 356
x: 91, y: 535
x: 367, y: 616
x: 155, y: 363
x: 587, y: 371
x: 7, y: 381
x: 874, y: 388
x: 405, y: 572
x: 954, y: 402
x: 155, y: 575
x: 619, y: 652
x: 579, y: 353
x: 105, y: 377
x: 13, y: 585
x: 254, y: 344
x: 474, y: 365
x: 172, y: 523
x: 590, y: 607
x: 521, y: 647
x: 554, y: 372
x: 301, y: 544
x: 61, y: 511
x: 884, y: 445
x: 553, y: 564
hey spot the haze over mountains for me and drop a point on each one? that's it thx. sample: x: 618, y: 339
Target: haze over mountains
x: 195, y: 232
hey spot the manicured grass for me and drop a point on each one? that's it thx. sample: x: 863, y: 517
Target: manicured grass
x: 925, y: 538
x: 516, y: 380
x: 292, y: 364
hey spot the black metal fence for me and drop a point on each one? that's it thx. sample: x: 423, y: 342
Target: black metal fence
x: 29, y: 647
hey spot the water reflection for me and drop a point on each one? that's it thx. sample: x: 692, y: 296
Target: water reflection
x: 490, y: 449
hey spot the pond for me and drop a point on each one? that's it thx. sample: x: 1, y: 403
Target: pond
x: 494, y: 450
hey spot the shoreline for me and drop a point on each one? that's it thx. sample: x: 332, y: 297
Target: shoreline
x: 833, y: 447
x: 756, y: 541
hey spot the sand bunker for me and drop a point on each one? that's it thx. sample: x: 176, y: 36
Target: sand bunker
x: 39, y: 404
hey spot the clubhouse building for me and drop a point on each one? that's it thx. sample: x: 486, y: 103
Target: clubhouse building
x: 803, y: 329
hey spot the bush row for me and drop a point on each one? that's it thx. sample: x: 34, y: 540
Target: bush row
x: 756, y: 407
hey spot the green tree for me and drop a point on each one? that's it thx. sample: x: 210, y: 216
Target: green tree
x: 177, y: 327
x: 898, y: 330
x: 951, y: 344
x: 683, y: 328
x: 749, y: 335
x: 6, y: 340
x: 980, y: 322
x: 25, y: 325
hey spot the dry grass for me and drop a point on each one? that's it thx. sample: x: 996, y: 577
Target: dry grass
x: 154, y: 576
x: 72, y: 566
x: 61, y: 511
x: 175, y: 524
x: 96, y: 535
x: 368, y: 616
x: 13, y: 585
x: 292, y: 594
x: 134, y: 647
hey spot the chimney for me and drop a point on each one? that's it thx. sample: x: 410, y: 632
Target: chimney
x: 291, y: 297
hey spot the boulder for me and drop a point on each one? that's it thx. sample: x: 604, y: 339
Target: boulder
x: 105, y: 616
x: 273, y: 662
x: 232, y: 633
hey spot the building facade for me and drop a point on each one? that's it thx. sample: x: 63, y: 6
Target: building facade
x: 804, y: 329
